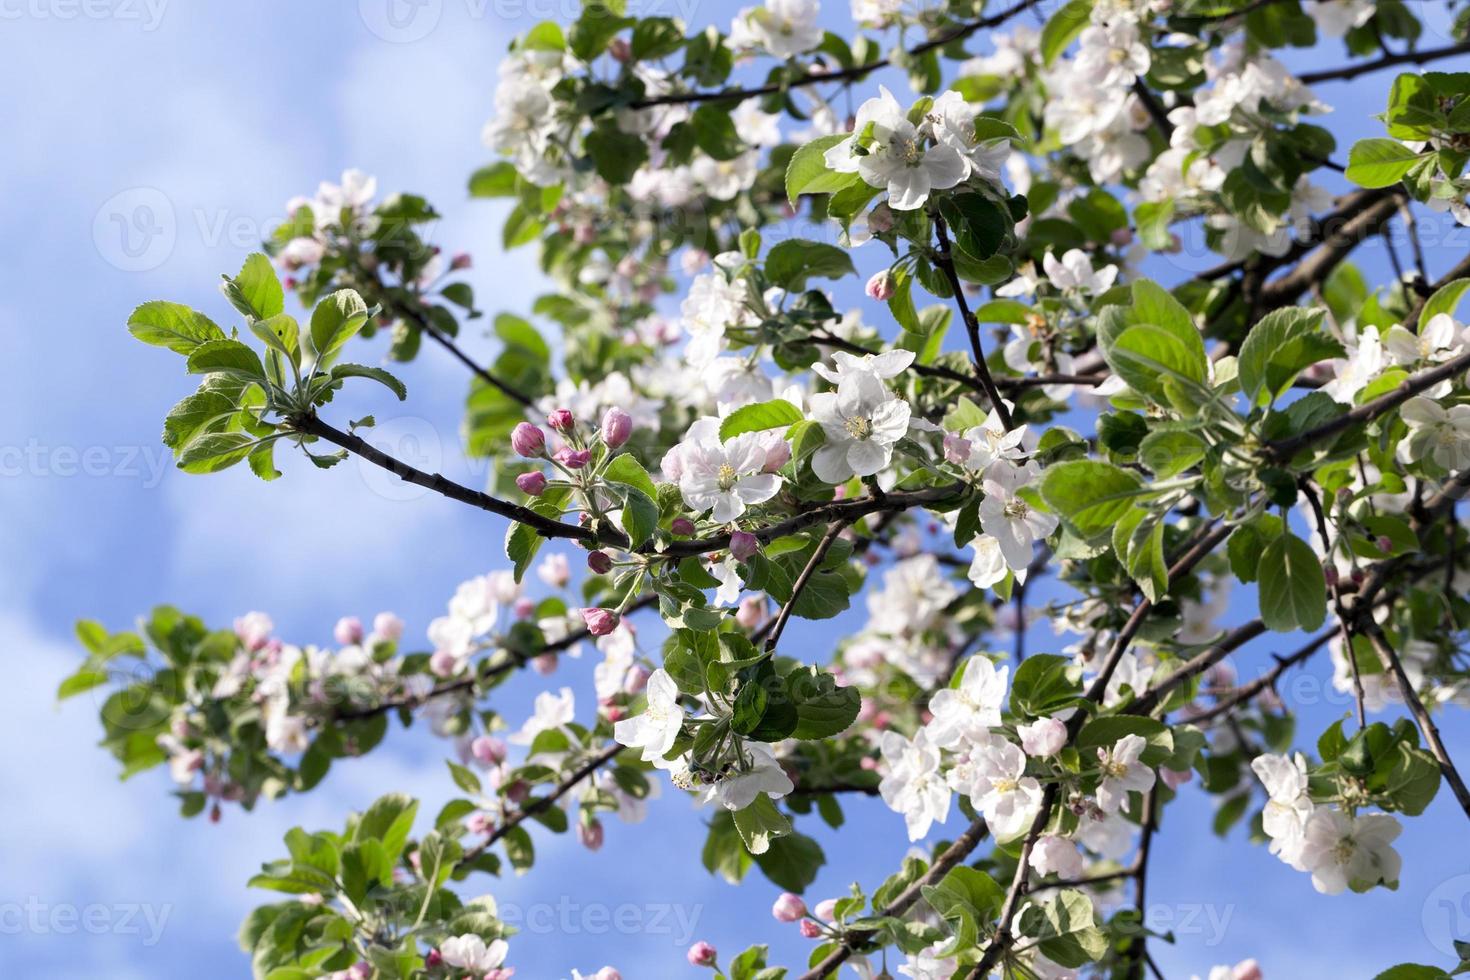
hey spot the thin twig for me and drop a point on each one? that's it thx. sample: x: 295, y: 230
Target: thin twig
x: 945, y: 261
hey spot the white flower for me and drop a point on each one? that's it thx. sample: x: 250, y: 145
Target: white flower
x: 1287, y: 806
x: 889, y: 364
x: 1346, y: 852
x: 713, y: 304
x: 1133, y: 671
x: 1352, y: 374
x: 1056, y: 855
x: 913, y: 784
x: 927, y: 964
x: 1122, y: 772
x: 963, y: 715
x: 1436, y: 341
x: 875, y: 13
x: 1336, y: 17
x: 1442, y: 434
x: 550, y: 711
x: 285, y: 733
x: 1112, y: 55
x: 1074, y: 272
x: 656, y: 729
x: 724, y: 179
x: 953, y: 122
x: 898, y: 155
x: 754, y: 126
x: 784, y: 28
x: 470, y: 952
x: 989, y: 564
x: 1007, y: 517
x: 726, y: 478
x: 862, y: 421
x: 990, y: 441
x: 998, y: 785
x: 1043, y: 737
x: 763, y: 774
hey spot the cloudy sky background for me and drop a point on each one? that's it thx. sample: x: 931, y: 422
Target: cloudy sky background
x: 195, y: 123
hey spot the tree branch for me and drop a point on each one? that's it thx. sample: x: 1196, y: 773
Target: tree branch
x: 1387, y: 61
x: 972, y: 327
x: 533, y: 807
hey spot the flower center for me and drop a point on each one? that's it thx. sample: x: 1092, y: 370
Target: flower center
x: 1116, y: 770
x: 726, y: 477
x: 1342, y: 853
x: 859, y: 427
x: 1005, y: 785
x: 1016, y: 509
x: 911, y: 149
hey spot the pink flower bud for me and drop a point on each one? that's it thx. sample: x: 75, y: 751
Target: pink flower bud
x: 527, y: 440
x: 572, y: 459
x: 517, y: 791
x: 1331, y: 574
x: 743, y: 545
x: 636, y: 679
x: 443, y: 663
x: 434, y: 959
x: 810, y: 929
x: 956, y: 448
x: 544, y: 664
x: 751, y: 611
x: 778, y: 454
x: 524, y: 607
x: 600, y: 562
x: 532, y: 484
x: 590, y: 834
x: 682, y: 526
x: 881, y: 286
x: 500, y: 973
x: 347, y: 631
x: 1385, y: 543
x: 620, y: 49
x: 1175, y: 778
x: 388, y: 626
x: 702, y: 954
x: 1121, y: 237
x: 617, y: 426
x: 488, y: 750
x: 600, y: 622
x: 880, y: 219
x: 1043, y: 737
x: 826, y: 910
x: 561, y: 420
x: 1246, y: 970
x: 480, y: 822
x: 788, y: 908
x: 461, y: 260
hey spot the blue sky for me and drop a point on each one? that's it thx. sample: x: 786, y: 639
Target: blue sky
x: 148, y: 145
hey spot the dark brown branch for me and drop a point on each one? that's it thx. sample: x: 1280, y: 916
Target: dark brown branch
x: 818, y: 556
x: 945, y: 262
x: 1427, y: 728
x: 1387, y: 61
x: 532, y: 807
x: 544, y: 526
x: 1283, y: 449
x: 856, y: 73
x: 1246, y: 692
x: 953, y: 855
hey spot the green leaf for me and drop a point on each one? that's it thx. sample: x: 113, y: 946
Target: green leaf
x: 1446, y: 299
x: 626, y: 469
x: 1293, y: 590
x: 336, y: 320
x: 761, y: 823
x: 227, y: 357
x: 714, y: 132
x: 1169, y: 452
x: 1138, y: 541
x: 212, y: 452
x: 807, y: 172
x: 1062, y: 27
x: 965, y: 898
x: 640, y: 516
x: 823, y: 708
x: 1278, y: 348
x: 1380, y: 162
x: 616, y: 155
x: 172, y: 325
x: 521, y: 544
x: 255, y: 292
x: 758, y: 417
x: 494, y: 180
x: 1089, y: 494
x: 1043, y: 682
x: 790, y: 263
x: 375, y: 373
